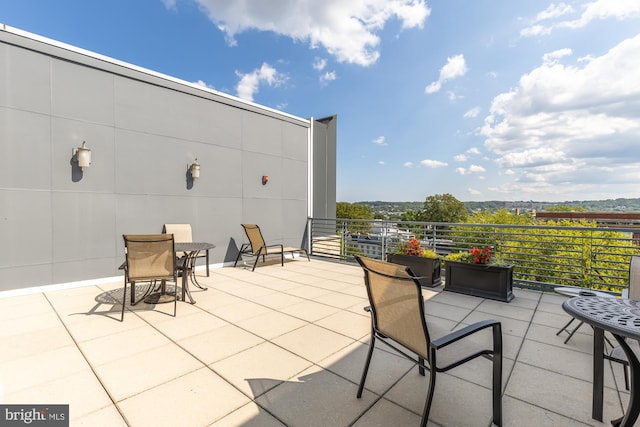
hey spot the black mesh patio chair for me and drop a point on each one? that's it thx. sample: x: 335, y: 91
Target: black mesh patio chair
x: 257, y: 246
x: 398, y: 319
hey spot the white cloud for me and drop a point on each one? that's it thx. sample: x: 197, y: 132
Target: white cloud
x: 408, y: 164
x: 346, y: 29
x: 452, y: 96
x: 546, y: 21
x: 433, y: 163
x: 473, y: 191
x: 472, y: 113
x: 379, y: 141
x: 460, y: 158
x: 567, y: 125
x: 473, y: 150
x: 249, y: 83
x: 328, y: 76
x: 455, y: 67
x: 470, y: 170
x: 553, y: 57
x: 381, y: 163
x: 319, y: 64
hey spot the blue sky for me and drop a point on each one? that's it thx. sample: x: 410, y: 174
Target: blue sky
x: 483, y: 99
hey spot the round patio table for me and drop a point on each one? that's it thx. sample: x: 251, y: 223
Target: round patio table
x: 191, y: 251
x: 187, y: 264
x: 577, y: 292
x: 620, y: 317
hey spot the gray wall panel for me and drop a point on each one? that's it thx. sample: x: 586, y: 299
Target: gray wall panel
x: 151, y: 164
x: 261, y: 134
x: 85, y: 228
x: 25, y: 153
x: 75, y: 271
x: 159, y: 111
x: 292, y: 148
x: 24, y: 80
x: 20, y: 276
x: 295, y: 174
x: 82, y: 93
x: 25, y: 228
x: 256, y: 165
x: 66, y: 136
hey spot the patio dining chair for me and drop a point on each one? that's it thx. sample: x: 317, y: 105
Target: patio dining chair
x: 257, y: 246
x: 398, y: 320
x: 182, y: 233
x: 149, y: 258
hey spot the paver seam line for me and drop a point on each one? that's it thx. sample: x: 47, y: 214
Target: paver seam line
x: 113, y: 401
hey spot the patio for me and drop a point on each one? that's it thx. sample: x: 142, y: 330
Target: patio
x: 284, y: 346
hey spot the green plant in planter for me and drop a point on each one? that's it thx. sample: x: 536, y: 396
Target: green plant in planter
x: 412, y: 247
x: 425, y: 263
x: 476, y: 256
x: 477, y: 273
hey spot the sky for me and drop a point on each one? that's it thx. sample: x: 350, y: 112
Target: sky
x: 482, y: 99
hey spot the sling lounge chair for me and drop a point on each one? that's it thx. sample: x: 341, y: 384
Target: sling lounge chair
x: 257, y: 246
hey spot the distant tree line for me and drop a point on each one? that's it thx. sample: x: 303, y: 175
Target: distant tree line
x: 395, y: 210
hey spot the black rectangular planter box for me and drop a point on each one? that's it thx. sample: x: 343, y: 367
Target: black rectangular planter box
x: 430, y: 268
x: 480, y: 280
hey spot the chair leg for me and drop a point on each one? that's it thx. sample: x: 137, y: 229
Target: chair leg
x: 124, y: 300
x: 420, y: 366
x: 497, y: 374
x: 366, y: 365
x: 237, y: 258
x: 207, y: 262
x: 175, y: 298
x: 432, y: 386
x: 256, y: 262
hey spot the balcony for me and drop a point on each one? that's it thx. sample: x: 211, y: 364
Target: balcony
x: 284, y: 346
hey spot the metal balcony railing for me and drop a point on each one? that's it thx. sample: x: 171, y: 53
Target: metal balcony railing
x: 544, y: 256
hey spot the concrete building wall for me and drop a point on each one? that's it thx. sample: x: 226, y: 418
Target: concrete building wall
x: 59, y: 224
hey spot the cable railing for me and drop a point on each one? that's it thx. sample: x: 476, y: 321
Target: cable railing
x: 544, y: 256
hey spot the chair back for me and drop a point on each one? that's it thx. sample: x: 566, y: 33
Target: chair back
x: 634, y: 277
x: 181, y: 232
x: 150, y: 257
x: 255, y: 238
x: 396, y: 304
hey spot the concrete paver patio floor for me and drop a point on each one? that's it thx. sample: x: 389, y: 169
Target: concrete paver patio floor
x: 284, y: 346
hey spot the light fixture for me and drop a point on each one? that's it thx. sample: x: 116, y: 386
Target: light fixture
x: 195, y: 169
x: 265, y: 179
x: 83, y: 156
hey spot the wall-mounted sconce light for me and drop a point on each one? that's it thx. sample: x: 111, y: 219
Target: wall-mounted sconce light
x: 195, y: 169
x: 83, y: 156
x: 265, y: 179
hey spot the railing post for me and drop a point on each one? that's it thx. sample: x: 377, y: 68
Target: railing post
x: 383, y: 238
x: 343, y: 240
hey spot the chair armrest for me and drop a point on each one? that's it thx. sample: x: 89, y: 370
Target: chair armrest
x: 464, y: 332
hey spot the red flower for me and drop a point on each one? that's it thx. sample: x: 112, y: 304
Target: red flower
x: 412, y: 247
x: 481, y: 255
